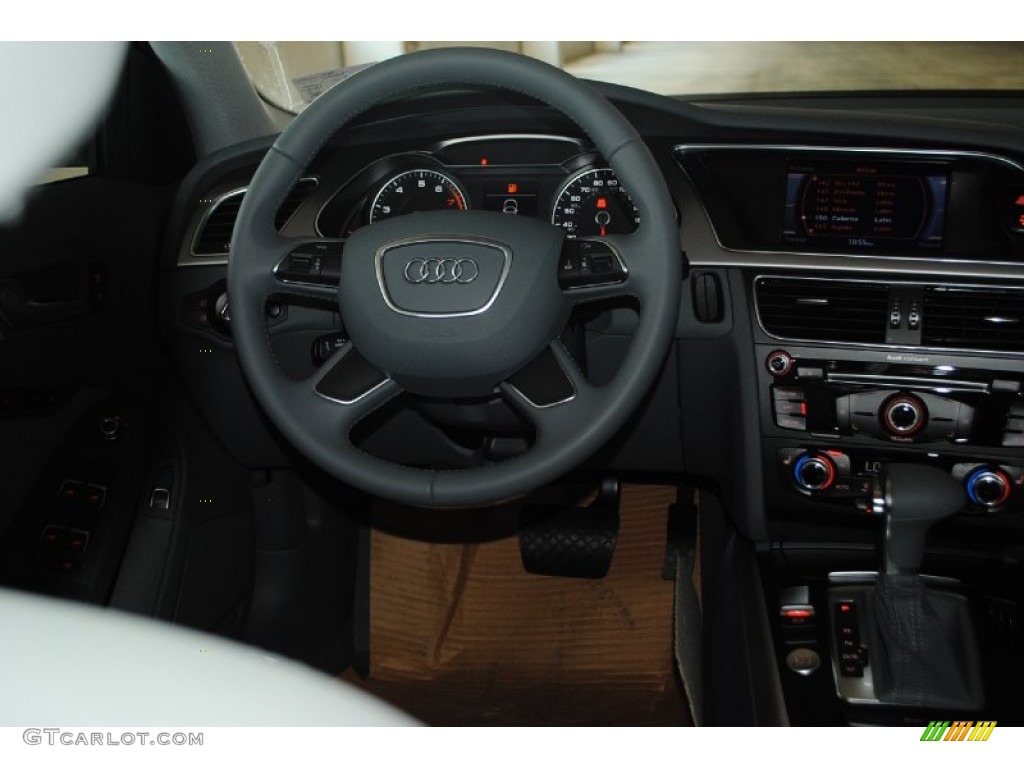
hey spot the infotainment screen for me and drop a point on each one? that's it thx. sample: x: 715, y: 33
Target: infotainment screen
x: 865, y: 206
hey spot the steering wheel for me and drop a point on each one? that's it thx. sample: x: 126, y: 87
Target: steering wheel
x: 455, y: 303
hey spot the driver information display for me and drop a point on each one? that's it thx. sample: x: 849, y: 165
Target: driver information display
x: 865, y: 206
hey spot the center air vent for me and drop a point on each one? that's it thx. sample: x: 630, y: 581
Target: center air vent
x: 214, y: 235
x: 822, y: 310
x: 973, y: 318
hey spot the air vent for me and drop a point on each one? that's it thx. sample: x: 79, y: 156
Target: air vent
x: 214, y: 234
x: 973, y: 318
x: 822, y: 310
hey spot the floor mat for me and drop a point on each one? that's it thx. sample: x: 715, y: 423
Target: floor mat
x: 462, y: 635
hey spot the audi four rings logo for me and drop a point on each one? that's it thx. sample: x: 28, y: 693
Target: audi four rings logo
x: 446, y: 271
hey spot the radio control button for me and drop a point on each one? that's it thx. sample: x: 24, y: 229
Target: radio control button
x: 779, y: 362
x: 810, y: 373
x: 904, y: 415
x: 785, y: 421
x: 791, y: 407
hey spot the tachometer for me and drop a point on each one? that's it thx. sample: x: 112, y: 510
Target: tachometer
x: 418, y: 190
x: 593, y: 203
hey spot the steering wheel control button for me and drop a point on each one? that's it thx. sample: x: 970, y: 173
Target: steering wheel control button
x: 436, y: 276
x: 803, y: 661
x: 312, y: 263
x: 325, y: 346
x: 813, y: 472
x: 589, y: 262
x: 779, y: 363
x: 989, y: 488
x: 903, y: 416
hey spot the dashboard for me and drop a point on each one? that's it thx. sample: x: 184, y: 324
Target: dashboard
x: 855, y: 270
x: 853, y: 298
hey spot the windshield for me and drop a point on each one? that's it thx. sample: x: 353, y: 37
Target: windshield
x: 291, y: 74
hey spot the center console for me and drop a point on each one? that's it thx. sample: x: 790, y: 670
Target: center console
x: 858, y: 380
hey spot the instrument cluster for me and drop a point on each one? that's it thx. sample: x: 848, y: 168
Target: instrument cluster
x: 550, y: 178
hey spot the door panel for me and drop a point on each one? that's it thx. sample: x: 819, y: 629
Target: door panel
x: 77, y: 317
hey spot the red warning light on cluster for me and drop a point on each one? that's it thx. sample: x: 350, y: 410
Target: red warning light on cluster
x: 512, y: 189
x: 1017, y: 214
x: 602, y: 202
x: 483, y: 161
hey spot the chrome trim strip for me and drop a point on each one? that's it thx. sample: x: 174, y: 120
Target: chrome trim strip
x: 852, y: 262
x: 841, y: 578
x: 379, y: 269
x: 217, y: 202
x: 854, y: 690
x: 564, y: 400
x: 881, y: 346
x: 328, y: 366
x: 956, y: 385
x: 507, y: 136
x: 887, y: 151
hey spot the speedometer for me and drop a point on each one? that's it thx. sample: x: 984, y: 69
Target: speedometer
x: 593, y: 203
x: 418, y: 190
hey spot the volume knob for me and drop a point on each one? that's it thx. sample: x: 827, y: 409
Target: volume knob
x: 904, y: 415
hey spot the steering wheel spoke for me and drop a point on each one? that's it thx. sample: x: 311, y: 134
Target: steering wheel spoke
x: 353, y: 383
x: 550, y: 381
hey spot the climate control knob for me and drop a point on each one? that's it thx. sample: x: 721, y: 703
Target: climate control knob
x: 813, y: 472
x: 989, y: 487
x: 904, y: 415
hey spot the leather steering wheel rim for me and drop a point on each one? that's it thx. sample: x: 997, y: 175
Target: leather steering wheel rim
x: 566, y: 433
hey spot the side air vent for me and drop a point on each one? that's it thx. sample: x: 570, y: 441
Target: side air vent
x: 214, y: 235
x: 822, y: 310
x: 973, y: 318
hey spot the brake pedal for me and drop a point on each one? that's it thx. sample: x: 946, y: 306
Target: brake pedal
x: 576, y: 542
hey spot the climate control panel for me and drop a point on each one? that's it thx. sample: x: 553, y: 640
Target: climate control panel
x: 847, y: 478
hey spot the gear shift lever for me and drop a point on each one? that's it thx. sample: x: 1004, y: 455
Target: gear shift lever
x: 915, y: 498
x: 923, y: 647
